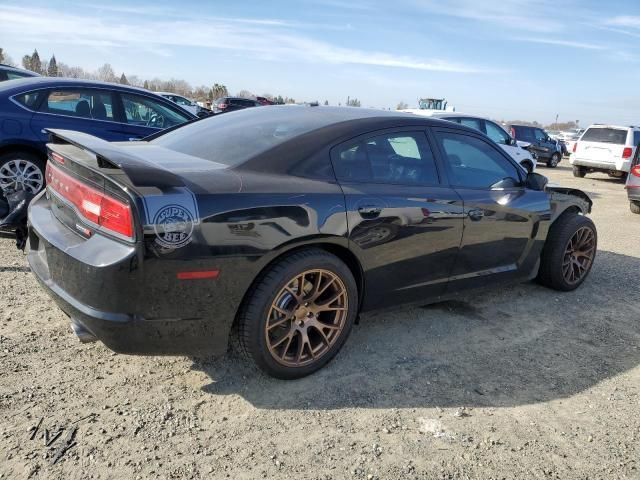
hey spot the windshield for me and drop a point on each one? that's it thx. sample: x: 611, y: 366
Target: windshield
x: 233, y: 138
x: 605, y: 135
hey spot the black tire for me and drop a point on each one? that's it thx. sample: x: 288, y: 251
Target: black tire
x: 554, y: 252
x: 579, y: 172
x: 554, y: 160
x: 634, y: 207
x: 254, y: 313
x: 17, y: 156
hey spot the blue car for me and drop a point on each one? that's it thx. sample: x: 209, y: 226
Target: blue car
x: 110, y: 111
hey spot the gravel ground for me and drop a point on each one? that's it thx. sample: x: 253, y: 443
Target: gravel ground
x: 522, y: 382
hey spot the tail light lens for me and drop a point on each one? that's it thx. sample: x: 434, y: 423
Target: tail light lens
x: 109, y: 213
x: 627, y: 152
x: 575, y: 146
x: 635, y: 171
x: 222, y: 106
x: 513, y: 132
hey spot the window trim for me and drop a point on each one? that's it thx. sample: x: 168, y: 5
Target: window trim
x: 443, y: 158
x: 416, y: 129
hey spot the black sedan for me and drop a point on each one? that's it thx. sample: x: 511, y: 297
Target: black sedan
x: 280, y: 225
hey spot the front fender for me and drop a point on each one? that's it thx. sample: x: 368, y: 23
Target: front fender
x: 563, y: 198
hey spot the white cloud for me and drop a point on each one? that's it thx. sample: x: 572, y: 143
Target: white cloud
x: 624, y: 21
x: 269, y: 39
x: 563, y: 43
x: 519, y: 15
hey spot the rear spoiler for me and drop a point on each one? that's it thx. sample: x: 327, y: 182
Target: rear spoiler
x: 141, y: 173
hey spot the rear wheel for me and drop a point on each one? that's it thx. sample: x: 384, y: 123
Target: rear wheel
x: 568, y: 253
x: 579, y: 172
x: 299, y: 314
x: 634, y: 207
x: 21, y: 171
x: 554, y: 160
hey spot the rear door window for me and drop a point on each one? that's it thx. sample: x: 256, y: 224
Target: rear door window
x: 615, y: 136
x: 525, y: 134
x: 147, y: 112
x: 400, y: 158
x: 474, y: 123
x: 636, y: 138
x: 84, y: 103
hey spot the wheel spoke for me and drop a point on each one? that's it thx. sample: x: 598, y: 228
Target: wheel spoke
x: 278, y: 323
x: 297, y: 313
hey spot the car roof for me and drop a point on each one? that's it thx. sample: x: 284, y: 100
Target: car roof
x: 32, y: 83
x: 4, y: 66
x: 622, y: 127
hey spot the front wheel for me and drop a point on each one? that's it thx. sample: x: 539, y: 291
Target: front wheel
x: 568, y: 253
x: 298, y: 314
x: 554, y: 160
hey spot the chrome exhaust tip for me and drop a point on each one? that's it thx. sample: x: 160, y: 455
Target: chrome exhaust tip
x: 84, y: 335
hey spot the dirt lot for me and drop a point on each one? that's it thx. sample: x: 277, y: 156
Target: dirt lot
x: 519, y: 383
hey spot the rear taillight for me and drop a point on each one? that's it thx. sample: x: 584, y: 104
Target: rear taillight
x: 635, y: 171
x: 575, y: 146
x: 107, y: 212
x: 627, y: 152
x: 513, y: 132
x: 222, y: 106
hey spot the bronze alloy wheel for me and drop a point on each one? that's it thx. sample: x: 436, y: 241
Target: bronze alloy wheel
x: 306, y: 317
x: 578, y: 255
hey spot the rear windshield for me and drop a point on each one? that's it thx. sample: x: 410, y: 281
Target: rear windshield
x: 605, y: 135
x: 233, y: 138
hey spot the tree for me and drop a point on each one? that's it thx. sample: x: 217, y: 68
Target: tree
x: 145, y: 85
x: 52, y: 69
x: 1, y: 56
x: 123, y: 79
x: 353, y: 102
x: 219, y: 91
x: 106, y: 74
x: 402, y: 106
x: 34, y: 62
x: 245, y: 94
x: 326, y: 102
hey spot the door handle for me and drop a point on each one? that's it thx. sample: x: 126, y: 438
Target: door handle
x: 476, y: 214
x: 369, y: 211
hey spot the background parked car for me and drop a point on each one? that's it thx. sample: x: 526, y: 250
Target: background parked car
x: 546, y: 149
x: 496, y: 133
x: 109, y: 111
x: 633, y: 183
x: 264, y: 101
x: 12, y: 73
x: 229, y: 104
x: 605, y: 148
x: 186, y: 103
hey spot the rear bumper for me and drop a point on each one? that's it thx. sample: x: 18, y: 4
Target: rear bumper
x: 619, y: 165
x: 107, y: 295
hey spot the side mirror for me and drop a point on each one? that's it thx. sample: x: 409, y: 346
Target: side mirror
x: 535, y: 181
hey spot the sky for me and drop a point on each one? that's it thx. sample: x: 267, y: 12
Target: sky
x: 503, y: 59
